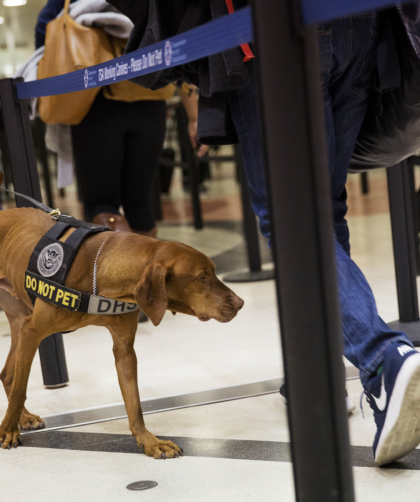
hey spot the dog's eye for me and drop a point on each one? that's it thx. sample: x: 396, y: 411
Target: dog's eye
x: 202, y: 277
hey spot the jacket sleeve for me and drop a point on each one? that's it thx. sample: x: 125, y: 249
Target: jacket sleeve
x: 47, y: 14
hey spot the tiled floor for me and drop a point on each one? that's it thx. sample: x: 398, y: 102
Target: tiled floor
x: 234, y: 451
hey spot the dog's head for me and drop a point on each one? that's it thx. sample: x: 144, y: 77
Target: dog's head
x: 181, y: 279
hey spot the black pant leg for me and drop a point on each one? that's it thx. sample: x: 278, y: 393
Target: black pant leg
x: 98, y: 148
x: 143, y: 149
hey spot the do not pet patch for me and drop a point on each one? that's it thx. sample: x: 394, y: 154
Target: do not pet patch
x: 52, y: 292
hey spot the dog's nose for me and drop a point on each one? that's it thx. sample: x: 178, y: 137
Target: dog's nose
x: 238, y: 302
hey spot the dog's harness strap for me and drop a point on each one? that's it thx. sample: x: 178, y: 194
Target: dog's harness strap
x: 73, y: 300
x: 76, y: 238
x: 56, y: 231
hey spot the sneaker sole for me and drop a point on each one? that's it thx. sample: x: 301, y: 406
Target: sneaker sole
x: 401, y: 432
x: 350, y: 405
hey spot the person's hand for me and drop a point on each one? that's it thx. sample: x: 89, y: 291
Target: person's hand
x: 192, y: 132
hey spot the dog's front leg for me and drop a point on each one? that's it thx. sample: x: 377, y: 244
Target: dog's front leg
x: 123, y: 333
x: 16, y: 311
x: 29, y: 340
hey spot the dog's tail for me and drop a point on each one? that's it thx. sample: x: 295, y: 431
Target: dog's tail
x: 1, y: 178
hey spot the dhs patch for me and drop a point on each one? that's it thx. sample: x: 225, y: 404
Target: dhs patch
x: 50, y: 260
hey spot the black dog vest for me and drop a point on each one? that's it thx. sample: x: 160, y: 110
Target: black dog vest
x: 50, y: 263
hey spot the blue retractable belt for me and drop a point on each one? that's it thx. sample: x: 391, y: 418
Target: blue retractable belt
x: 212, y: 38
x: 225, y: 33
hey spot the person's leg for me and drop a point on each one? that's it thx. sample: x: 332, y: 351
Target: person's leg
x: 98, y: 148
x: 348, y: 50
x: 348, y: 53
x: 347, y: 67
x: 388, y: 363
x: 366, y: 336
x: 244, y: 111
x: 143, y: 148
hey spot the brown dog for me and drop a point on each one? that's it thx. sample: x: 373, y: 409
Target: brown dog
x: 156, y: 275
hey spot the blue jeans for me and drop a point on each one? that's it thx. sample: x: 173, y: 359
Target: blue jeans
x: 348, y: 66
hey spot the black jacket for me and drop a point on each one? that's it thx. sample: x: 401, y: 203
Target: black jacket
x: 156, y: 20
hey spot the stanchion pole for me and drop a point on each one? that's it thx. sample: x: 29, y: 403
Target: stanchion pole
x: 194, y: 176
x: 401, y: 193
x: 364, y: 183
x: 26, y: 181
x: 38, y: 132
x: 412, y: 162
x: 192, y: 164
x: 298, y: 180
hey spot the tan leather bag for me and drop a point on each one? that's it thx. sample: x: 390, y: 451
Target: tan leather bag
x: 69, y: 46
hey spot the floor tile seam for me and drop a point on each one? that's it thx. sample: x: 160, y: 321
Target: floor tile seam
x: 350, y: 373
x: 275, y: 451
x: 162, y: 406
x: 148, y: 412
x: 147, y: 399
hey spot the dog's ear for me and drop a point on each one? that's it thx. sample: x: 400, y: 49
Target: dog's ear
x: 150, y: 292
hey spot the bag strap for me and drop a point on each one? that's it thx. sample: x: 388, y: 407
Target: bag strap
x: 66, y: 10
x: 245, y: 47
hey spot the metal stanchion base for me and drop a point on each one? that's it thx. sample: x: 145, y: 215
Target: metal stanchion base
x: 141, y: 485
x: 250, y: 276
x: 57, y: 386
x: 411, y: 329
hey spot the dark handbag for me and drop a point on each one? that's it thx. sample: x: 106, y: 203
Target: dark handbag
x: 391, y: 132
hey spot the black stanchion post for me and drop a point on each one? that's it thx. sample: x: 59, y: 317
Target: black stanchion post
x: 298, y: 180
x: 401, y: 193
x: 25, y: 179
x: 191, y: 162
x: 250, y: 227
x: 413, y: 162
x: 193, y: 170
x: 38, y: 131
x: 364, y: 182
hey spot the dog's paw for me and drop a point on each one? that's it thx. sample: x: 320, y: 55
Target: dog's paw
x: 10, y: 438
x: 156, y: 448
x: 30, y: 421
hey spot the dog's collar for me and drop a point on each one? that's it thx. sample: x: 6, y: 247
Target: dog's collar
x: 95, y: 268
